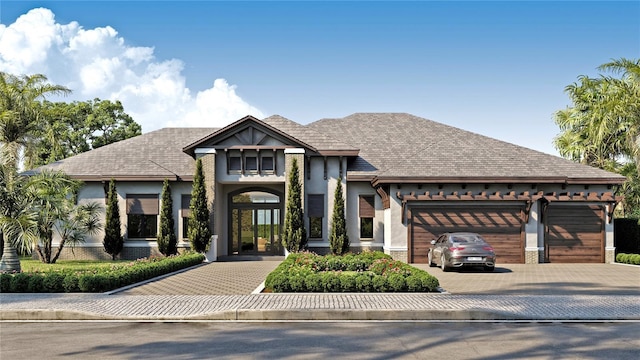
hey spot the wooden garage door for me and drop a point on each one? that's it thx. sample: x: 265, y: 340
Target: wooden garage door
x: 501, y: 226
x: 574, y: 234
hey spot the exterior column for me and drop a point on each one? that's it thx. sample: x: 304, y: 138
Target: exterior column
x: 208, y: 156
x: 533, y: 252
x: 609, y: 245
x: 289, y: 155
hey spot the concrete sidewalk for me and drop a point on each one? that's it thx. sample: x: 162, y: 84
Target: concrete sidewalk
x: 319, y: 307
x: 223, y: 291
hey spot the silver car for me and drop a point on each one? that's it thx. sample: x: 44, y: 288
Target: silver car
x: 455, y: 250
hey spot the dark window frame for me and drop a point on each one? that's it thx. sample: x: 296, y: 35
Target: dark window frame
x: 366, y: 213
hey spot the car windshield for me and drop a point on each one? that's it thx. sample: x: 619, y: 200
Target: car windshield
x: 466, y: 238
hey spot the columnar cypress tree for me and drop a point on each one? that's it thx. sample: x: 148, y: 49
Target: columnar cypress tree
x: 338, y: 240
x: 199, y: 232
x: 295, y: 234
x: 167, y: 241
x: 113, y: 240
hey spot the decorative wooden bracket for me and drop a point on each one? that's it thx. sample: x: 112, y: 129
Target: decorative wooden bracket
x: 384, y: 194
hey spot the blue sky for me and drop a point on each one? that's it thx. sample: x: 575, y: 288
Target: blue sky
x: 495, y: 68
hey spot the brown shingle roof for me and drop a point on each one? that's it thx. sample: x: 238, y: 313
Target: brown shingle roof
x: 398, y: 145
x: 394, y: 147
x: 318, y: 139
x: 157, y: 154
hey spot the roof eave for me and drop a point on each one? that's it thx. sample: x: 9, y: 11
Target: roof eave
x: 136, y: 178
x: 379, y: 180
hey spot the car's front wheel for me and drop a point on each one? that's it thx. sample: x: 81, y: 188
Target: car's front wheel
x: 430, y: 258
x: 489, y: 268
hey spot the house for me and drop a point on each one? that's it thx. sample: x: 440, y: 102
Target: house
x: 406, y: 179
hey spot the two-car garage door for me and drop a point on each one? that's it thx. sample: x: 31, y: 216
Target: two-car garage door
x: 574, y: 233
x: 501, y: 226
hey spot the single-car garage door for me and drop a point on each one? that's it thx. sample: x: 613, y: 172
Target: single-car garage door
x: 501, y: 226
x: 574, y: 234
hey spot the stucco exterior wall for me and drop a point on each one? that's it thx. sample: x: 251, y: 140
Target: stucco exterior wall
x: 354, y: 191
x: 93, y: 248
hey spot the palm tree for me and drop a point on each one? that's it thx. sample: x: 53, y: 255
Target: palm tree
x: 602, y: 128
x: 19, y: 114
x: 53, y: 201
x: 19, y: 120
x: 17, y: 223
x: 628, y: 102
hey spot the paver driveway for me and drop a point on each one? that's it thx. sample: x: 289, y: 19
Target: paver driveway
x: 243, y: 277
x: 542, y: 279
x: 216, y: 278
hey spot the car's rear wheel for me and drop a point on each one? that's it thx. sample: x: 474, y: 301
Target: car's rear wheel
x: 443, y: 263
x: 430, y: 258
x: 489, y: 268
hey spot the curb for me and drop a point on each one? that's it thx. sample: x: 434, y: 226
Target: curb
x: 270, y: 315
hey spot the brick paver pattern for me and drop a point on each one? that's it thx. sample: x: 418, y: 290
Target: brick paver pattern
x: 224, y: 291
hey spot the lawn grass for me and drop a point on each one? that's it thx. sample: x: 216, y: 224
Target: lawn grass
x: 32, y: 265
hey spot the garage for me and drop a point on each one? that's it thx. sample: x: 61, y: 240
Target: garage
x: 574, y: 233
x: 501, y: 226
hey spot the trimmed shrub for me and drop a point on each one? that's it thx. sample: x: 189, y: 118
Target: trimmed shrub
x: 278, y: 282
x: 429, y: 282
x: 364, y: 282
x: 365, y: 272
x: 330, y: 282
x: 313, y: 282
x: 19, y: 283
x: 379, y: 283
x: 633, y: 259
x: 98, y: 280
x: 348, y: 282
x: 53, y: 283
x: 5, y: 282
x: 70, y: 283
x: 414, y: 283
x: 396, y: 282
x: 35, y: 283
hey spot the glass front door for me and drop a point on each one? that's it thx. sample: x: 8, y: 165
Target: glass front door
x: 255, y: 223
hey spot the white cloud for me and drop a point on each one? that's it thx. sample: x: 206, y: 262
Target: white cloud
x: 99, y: 63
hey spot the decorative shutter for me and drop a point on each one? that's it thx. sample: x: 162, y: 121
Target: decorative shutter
x: 367, y: 206
x: 144, y: 204
x: 315, y: 205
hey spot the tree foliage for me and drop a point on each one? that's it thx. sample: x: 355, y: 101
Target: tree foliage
x: 199, y: 231
x: 20, y: 117
x: 72, y: 128
x: 167, y: 240
x: 295, y: 234
x: 338, y: 239
x: 113, y: 241
x: 602, y: 127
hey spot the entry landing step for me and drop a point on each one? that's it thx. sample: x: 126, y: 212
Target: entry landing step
x: 251, y: 258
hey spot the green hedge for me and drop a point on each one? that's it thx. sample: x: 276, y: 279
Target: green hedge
x: 364, y: 272
x: 633, y: 259
x: 99, y: 280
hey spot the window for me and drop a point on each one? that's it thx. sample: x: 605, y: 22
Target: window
x: 142, y: 215
x: 367, y: 211
x: 315, y: 211
x: 185, y: 213
x: 235, y: 163
x: 267, y: 164
x: 251, y: 163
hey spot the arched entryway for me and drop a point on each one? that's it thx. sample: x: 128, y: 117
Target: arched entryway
x: 255, y: 222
